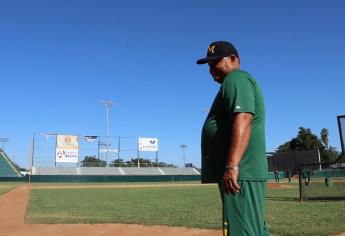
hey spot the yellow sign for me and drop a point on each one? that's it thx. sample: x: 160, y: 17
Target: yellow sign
x: 67, y: 142
x: 67, y: 147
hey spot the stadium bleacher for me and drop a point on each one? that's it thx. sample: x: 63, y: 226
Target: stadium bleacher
x: 6, y: 167
x: 100, y: 171
x: 54, y: 171
x: 154, y: 171
x: 180, y: 171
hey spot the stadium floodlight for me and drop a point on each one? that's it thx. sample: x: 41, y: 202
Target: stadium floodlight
x: 107, y: 104
x: 183, y: 147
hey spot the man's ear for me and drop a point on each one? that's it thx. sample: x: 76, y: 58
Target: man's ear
x: 233, y: 58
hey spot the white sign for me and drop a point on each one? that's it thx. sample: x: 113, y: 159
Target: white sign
x: 67, y: 147
x: 338, y: 165
x: 108, y: 150
x: 148, y: 144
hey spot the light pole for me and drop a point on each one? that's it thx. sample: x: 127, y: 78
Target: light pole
x: 107, y: 104
x: 183, y: 146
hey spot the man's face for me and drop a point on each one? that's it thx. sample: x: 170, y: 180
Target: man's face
x: 218, y: 69
x: 221, y: 67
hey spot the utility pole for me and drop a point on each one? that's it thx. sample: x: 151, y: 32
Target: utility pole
x: 107, y: 104
x: 183, y: 147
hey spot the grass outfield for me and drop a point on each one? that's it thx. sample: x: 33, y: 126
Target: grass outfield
x: 190, y: 206
x: 7, y: 186
x: 319, y: 189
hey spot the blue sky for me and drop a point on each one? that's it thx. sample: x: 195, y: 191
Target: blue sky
x: 60, y: 58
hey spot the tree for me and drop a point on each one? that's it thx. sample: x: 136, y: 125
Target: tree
x: 306, y: 140
x: 324, y: 137
x: 117, y: 163
x: 284, y: 147
x: 143, y: 163
x: 92, y: 161
x: 329, y: 155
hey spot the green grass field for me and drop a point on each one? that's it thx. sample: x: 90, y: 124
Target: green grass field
x: 318, y: 188
x: 7, y: 186
x: 192, y: 206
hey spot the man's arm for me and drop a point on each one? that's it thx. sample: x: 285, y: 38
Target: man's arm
x: 241, y: 129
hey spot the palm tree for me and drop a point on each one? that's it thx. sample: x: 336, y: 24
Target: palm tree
x: 324, y: 137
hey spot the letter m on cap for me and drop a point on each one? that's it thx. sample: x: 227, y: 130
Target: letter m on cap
x: 211, y: 49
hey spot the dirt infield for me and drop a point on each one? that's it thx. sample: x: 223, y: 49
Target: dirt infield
x: 278, y: 185
x: 13, y: 206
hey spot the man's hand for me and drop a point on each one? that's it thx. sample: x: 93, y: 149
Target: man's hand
x: 230, y: 181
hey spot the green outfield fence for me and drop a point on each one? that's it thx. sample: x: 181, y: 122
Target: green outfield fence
x: 13, y: 179
x: 281, y: 175
x: 112, y: 178
x: 101, y: 178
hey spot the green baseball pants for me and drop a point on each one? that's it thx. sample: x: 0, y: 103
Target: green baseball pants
x: 244, y: 212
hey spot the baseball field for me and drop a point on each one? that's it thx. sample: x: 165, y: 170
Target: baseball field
x: 188, y: 208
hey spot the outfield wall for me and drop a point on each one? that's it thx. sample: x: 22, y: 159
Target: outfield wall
x: 13, y: 179
x: 112, y: 178
x: 102, y: 178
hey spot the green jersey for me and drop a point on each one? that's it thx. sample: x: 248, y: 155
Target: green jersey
x: 238, y: 93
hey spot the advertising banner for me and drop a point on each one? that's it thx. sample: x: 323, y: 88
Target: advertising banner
x: 67, y: 147
x: 148, y: 144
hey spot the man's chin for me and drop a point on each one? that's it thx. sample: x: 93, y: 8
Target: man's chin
x: 218, y: 79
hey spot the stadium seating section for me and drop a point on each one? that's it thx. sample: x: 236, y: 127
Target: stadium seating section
x: 6, y: 167
x: 113, y: 171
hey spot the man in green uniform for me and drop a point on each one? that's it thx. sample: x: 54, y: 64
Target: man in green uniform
x: 276, y: 176
x: 233, y: 143
x: 288, y: 175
